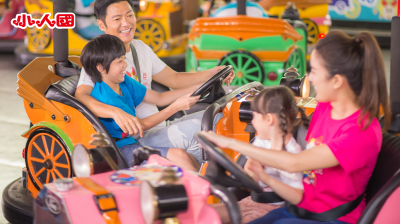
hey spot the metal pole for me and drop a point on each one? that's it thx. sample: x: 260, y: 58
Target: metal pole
x: 60, y: 36
x: 395, y: 73
x: 241, y: 7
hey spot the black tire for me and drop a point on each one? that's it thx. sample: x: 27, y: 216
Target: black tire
x: 17, y: 203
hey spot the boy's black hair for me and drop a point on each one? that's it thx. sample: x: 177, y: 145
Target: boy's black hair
x: 103, y: 50
x: 100, y: 8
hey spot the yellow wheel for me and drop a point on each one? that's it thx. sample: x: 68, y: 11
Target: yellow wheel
x: 39, y: 39
x: 312, y: 31
x: 151, y: 33
x: 47, y: 157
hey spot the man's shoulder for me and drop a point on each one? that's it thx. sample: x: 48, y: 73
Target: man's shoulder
x: 140, y: 45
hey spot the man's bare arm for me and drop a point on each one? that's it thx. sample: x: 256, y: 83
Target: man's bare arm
x: 179, y: 80
x: 128, y: 123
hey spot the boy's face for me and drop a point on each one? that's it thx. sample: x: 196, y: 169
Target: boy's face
x: 116, y: 73
x: 120, y: 20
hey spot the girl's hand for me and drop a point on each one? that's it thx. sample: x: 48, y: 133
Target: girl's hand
x: 219, y: 140
x: 254, y: 169
x: 185, y: 102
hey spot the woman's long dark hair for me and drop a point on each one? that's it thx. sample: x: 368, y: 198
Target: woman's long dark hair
x: 280, y: 100
x: 360, y: 61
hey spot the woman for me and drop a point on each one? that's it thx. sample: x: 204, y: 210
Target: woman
x: 344, y: 137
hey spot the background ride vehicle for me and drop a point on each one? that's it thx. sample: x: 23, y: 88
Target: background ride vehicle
x: 352, y: 16
x: 313, y: 13
x: 154, y: 27
x: 259, y: 49
x: 10, y: 36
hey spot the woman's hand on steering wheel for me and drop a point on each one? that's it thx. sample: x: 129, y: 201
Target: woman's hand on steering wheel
x: 228, y: 80
x: 219, y: 140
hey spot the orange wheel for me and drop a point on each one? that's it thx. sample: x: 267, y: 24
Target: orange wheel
x: 47, y: 158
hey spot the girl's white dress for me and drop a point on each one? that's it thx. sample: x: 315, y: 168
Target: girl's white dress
x: 252, y: 210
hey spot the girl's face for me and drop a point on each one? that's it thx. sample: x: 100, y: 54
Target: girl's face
x: 319, y: 78
x: 262, y: 124
x: 116, y: 73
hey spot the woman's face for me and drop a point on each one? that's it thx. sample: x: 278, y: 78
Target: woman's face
x: 319, y: 78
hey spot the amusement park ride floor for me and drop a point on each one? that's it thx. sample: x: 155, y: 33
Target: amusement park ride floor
x: 13, y: 121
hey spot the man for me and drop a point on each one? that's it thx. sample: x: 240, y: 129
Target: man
x: 116, y: 17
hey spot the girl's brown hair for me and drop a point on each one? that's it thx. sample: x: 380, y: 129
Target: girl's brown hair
x: 360, y: 61
x: 280, y: 100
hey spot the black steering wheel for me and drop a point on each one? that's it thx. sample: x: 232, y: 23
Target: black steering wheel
x: 212, y: 89
x: 219, y: 163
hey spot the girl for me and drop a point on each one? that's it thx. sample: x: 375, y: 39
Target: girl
x: 274, y: 115
x: 344, y: 137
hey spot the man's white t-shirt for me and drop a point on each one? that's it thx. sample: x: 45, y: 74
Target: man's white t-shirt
x: 150, y: 64
x: 292, y: 179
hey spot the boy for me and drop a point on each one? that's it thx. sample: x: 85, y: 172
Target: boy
x: 103, y: 59
x: 117, y: 17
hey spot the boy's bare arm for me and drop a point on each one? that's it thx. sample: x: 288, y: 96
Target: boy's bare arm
x: 167, y: 97
x: 183, y: 103
x: 128, y: 123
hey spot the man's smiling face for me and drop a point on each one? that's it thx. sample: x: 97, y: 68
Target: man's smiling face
x: 120, y: 21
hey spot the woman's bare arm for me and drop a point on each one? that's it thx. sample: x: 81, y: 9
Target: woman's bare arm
x: 318, y: 157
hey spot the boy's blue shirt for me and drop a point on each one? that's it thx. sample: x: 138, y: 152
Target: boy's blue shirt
x: 133, y: 93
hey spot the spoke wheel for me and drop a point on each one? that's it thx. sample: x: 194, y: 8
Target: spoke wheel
x: 296, y: 60
x: 312, y: 31
x: 39, y: 39
x: 248, y: 68
x: 151, y: 33
x: 46, y: 157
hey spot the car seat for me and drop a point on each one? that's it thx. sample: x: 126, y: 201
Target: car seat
x: 63, y: 92
x: 383, y: 189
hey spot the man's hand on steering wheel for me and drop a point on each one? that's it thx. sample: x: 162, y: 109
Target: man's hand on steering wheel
x: 228, y: 80
x: 128, y: 123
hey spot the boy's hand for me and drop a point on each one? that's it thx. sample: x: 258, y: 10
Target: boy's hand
x: 128, y: 123
x: 185, y: 102
x: 254, y: 169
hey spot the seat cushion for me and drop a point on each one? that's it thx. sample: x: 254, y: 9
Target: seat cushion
x: 387, y: 164
x: 68, y: 85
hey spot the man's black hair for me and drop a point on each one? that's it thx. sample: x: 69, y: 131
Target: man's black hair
x: 103, y: 50
x: 100, y: 8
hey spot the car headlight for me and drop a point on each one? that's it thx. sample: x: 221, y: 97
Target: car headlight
x: 148, y: 202
x: 143, y: 5
x: 86, y: 162
x: 300, y: 86
x: 81, y: 161
x: 162, y: 202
